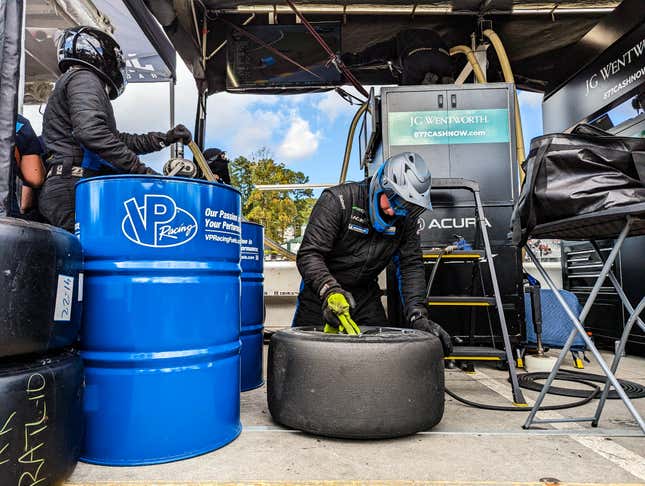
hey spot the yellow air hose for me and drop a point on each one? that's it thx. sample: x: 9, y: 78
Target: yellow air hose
x: 350, y: 142
x: 201, y: 161
x: 470, y: 55
x: 509, y: 78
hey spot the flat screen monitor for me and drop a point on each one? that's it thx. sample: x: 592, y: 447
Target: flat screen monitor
x: 253, y: 66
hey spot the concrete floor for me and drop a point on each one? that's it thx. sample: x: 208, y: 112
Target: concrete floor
x: 470, y: 446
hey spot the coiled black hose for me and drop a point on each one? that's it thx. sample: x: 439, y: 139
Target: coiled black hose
x: 505, y: 408
x: 529, y: 382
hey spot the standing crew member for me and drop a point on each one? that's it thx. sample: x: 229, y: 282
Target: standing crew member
x: 354, y: 231
x: 79, y: 126
x: 218, y: 163
x: 27, y: 164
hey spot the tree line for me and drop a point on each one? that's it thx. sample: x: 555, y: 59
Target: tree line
x: 275, y: 210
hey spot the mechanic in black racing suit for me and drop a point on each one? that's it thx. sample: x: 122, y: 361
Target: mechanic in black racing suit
x: 79, y: 128
x: 354, y: 231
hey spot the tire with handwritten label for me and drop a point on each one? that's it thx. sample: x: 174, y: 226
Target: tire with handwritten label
x: 40, y: 419
x: 40, y: 287
x: 387, y: 382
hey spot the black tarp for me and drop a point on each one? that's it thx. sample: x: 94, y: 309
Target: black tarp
x: 584, y: 173
x: 10, y: 42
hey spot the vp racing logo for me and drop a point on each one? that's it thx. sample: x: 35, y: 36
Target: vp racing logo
x: 158, y: 222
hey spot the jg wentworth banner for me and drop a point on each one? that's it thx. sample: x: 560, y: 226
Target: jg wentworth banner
x: 448, y: 127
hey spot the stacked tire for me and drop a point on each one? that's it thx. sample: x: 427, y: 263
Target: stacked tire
x: 41, y: 376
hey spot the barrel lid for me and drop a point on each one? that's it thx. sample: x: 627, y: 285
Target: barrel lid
x: 148, y: 177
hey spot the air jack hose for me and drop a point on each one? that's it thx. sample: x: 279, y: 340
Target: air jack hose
x: 470, y: 55
x: 350, y: 142
x: 503, y: 408
x: 201, y: 161
x: 529, y: 381
x: 509, y: 78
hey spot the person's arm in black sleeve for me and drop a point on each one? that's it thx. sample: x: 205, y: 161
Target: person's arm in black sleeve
x: 413, y: 281
x: 89, y: 109
x: 154, y: 141
x: 322, y: 229
x: 143, y: 143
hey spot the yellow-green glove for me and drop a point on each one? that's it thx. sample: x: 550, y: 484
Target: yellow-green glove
x: 336, y: 307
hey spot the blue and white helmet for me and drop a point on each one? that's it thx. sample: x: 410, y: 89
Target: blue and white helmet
x: 405, y: 179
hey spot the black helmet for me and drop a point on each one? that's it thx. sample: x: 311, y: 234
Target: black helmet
x: 214, y: 154
x: 96, y: 50
x: 218, y: 163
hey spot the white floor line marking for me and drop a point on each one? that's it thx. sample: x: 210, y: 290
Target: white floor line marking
x: 619, y: 455
x: 496, y: 433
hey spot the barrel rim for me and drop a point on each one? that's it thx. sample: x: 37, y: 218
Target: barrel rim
x: 253, y: 223
x: 159, y: 177
x: 215, y: 445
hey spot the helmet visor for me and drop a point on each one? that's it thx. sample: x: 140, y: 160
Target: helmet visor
x: 124, y: 73
x: 404, y: 208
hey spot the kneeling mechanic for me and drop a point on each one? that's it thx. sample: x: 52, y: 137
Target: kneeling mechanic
x: 354, y: 231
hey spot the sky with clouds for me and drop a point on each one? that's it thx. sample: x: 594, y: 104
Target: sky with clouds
x: 306, y: 132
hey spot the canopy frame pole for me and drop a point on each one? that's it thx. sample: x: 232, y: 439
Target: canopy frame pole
x: 22, y: 80
x: 333, y: 58
x: 202, y: 89
x: 171, y: 105
x: 200, y: 119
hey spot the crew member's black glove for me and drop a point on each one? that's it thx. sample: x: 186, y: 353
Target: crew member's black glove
x: 178, y: 134
x: 422, y: 323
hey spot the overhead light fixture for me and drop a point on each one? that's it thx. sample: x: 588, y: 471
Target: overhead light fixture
x: 332, y: 9
x: 416, y: 9
x: 568, y: 8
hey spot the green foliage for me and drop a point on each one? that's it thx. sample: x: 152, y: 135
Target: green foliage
x: 275, y: 210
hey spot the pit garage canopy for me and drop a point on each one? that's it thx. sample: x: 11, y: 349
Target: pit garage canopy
x: 536, y: 33
x: 150, y: 56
